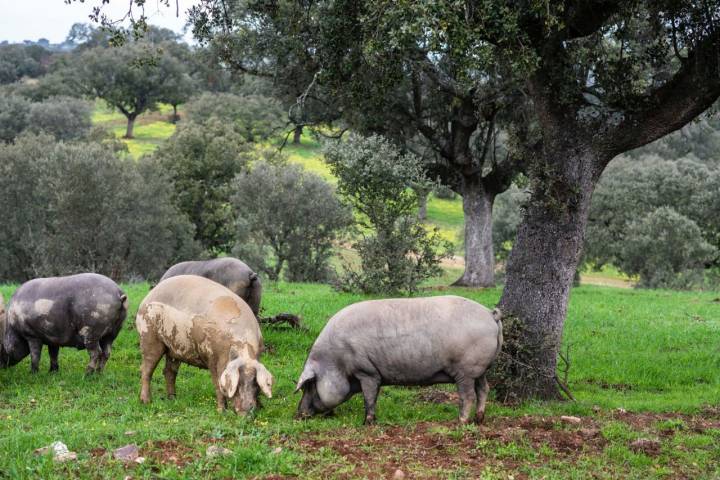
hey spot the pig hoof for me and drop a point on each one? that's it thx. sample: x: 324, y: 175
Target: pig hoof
x: 369, y: 421
x: 464, y: 421
x: 54, y: 369
x: 479, y: 418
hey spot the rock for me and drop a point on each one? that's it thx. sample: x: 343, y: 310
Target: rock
x: 647, y: 446
x: 140, y: 460
x: 398, y: 475
x: 217, y: 451
x: 621, y: 411
x: 59, y: 450
x: 128, y: 453
x: 130, y: 433
x: 277, y: 450
x: 571, y: 420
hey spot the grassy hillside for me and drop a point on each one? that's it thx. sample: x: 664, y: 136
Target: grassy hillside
x: 644, y: 365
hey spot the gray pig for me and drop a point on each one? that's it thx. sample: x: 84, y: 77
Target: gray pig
x: 84, y: 311
x: 413, y: 341
x: 227, y: 271
x: 194, y: 320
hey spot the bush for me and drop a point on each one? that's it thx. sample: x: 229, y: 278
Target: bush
x: 14, y: 112
x: 396, y: 252
x: 255, y: 117
x: 633, y: 189
x: 289, y: 217
x: 203, y: 160
x: 65, y: 118
x: 70, y: 208
x: 666, y: 249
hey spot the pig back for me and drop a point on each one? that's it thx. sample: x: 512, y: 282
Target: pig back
x: 198, y: 308
x: 411, y: 340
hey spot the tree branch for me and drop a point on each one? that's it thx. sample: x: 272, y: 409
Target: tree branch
x: 691, y: 91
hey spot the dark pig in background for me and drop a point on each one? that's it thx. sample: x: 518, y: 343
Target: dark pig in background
x: 85, y: 311
x: 227, y: 271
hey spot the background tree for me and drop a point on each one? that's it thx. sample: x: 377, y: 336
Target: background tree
x: 255, y: 117
x: 428, y: 100
x: 287, y: 221
x: 18, y: 61
x: 125, y: 79
x: 666, y: 249
x: 631, y: 192
x: 78, y: 207
x: 14, y: 112
x: 202, y: 160
x: 396, y: 251
x: 65, y: 118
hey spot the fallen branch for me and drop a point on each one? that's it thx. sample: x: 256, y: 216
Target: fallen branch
x: 280, y: 318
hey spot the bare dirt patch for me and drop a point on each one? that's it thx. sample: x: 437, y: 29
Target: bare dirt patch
x: 169, y: 452
x: 430, y: 448
x: 512, y: 444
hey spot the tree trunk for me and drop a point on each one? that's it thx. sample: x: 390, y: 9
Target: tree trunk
x: 479, y: 254
x: 130, y: 126
x: 422, y: 204
x: 540, y: 272
x: 175, y: 117
x: 297, y: 135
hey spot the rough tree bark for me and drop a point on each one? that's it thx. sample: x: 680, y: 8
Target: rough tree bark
x: 479, y: 255
x: 422, y: 204
x: 130, y: 126
x: 540, y: 273
x: 297, y: 135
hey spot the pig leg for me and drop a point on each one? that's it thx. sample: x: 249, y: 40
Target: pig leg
x: 170, y: 371
x: 481, y: 390
x: 95, y: 352
x: 152, y: 352
x: 35, y: 349
x: 219, y: 395
x: 54, y: 350
x: 370, y: 388
x: 466, y: 392
x: 106, y: 348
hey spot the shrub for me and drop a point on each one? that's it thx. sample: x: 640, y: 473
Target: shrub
x: 287, y: 221
x: 65, y: 118
x: 255, y: 117
x: 666, y: 249
x: 78, y: 207
x: 202, y: 161
x: 396, y: 251
x: 14, y: 112
x: 633, y: 189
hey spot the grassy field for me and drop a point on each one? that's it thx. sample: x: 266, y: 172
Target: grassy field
x: 645, y: 371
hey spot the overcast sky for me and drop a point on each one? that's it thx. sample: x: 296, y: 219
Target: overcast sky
x: 33, y: 19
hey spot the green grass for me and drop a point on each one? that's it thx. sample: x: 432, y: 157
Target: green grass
x: 643, y: 351
x: 151, y: 128
x: 146, y: 137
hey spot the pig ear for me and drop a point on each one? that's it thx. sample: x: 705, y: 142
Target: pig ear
x: 307, y: 375
x: 264, y: 378
x: 230, y: 378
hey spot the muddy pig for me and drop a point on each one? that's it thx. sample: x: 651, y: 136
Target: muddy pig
x: 85, y: 311
x: 226, y: 271
x: 194, y: 320
x: 413, y: 341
